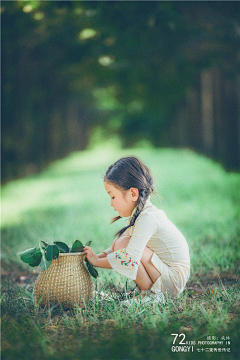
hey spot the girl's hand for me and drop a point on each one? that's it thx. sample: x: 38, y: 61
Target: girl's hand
x: 92, y: 257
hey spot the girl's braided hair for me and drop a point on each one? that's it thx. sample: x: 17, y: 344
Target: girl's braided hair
x: 130, y: 172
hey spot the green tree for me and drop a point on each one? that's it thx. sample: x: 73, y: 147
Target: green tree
x: 57, y: 55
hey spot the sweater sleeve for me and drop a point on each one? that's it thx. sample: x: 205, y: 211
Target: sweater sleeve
x: 108, y: 250
x: 126, y: 261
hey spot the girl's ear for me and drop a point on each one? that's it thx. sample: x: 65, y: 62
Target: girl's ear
x: 134, y: 193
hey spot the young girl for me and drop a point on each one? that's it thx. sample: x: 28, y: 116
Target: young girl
x: 150, y: 250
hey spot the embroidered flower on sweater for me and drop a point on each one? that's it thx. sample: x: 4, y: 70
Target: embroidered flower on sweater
x: 126, y: 260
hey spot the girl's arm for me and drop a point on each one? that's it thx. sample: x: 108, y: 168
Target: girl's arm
x: 102, y: 255
x: 95, y: 260
x: 107, y: 251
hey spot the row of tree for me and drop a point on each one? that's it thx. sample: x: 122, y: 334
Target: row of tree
x: 166, y: 72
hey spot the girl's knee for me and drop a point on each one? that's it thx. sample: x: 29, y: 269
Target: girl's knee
x: 121, y: 242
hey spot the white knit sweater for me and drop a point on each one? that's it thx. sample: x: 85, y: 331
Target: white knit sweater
x: 170, y: 250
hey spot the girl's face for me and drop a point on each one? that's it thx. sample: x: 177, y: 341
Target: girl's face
x: 123, y: 201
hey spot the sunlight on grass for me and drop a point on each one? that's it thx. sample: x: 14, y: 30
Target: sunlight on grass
x: 68, y: 201
x: 65, y: 183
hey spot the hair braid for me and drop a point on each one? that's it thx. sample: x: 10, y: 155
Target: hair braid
x: 143, y: 195
x: 130, y: 172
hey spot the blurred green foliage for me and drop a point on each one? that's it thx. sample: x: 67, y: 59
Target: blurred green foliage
x: 69, y: 66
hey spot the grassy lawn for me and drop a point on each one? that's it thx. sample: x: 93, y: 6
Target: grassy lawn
x: 68, y: 202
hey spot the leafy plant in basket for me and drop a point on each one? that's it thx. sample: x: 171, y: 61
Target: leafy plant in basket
x: 44, y: 254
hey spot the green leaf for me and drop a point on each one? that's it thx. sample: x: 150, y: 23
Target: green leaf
x: 28, y: 252
x: 37, y: 262
x: 77, y: 243
x: 45, y: 263
x: 88, y: 243
x: 91, y: 269
x: 44, y: 243
x: 77, y: 249
x: 62, y: 246
x: 52, y: 252
x: 30, y: 256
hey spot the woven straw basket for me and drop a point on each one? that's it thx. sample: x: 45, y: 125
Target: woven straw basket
x: 66, y: 281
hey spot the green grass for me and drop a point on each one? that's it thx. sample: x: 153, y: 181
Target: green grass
x: 67, y: 202
x: 106, y: 327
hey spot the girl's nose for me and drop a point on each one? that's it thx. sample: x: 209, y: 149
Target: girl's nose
x: 111, y: 203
